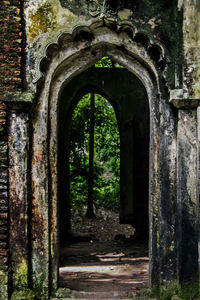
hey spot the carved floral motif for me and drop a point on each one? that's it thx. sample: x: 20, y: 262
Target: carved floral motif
x: 100, y: 7
x: 94, y: 7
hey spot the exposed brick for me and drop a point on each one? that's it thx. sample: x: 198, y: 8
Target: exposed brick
x: 4, y: 260
x: 10, y: 47
x: 3, y: 164
x: 3, y: 253
x: 4, y: 208
x: 3, y: 237
x: 3, y: 245
x: 3, y: 201
x: 4, y: 229
x: 10, y: 64
x: 3, y: 222
x: 3, y: 194
x: 3, y: 216
x: 3, y: 173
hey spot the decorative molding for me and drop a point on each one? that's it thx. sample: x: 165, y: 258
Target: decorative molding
x: 93, y: 7
x: 96, y: 8
x: 152, y: 47
x: 181, y: 100
x: 20, y: 101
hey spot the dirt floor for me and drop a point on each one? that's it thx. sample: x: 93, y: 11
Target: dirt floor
x: 103, y: 259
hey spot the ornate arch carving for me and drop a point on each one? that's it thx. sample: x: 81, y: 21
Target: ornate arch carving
x: 151, y: 49
x: 66, y: 56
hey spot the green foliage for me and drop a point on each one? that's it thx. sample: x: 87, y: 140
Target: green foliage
x: 174, y: 291
x: 21, y: 289
x: 107, y: 154
x: 190, y: 290
x: 106, y: 62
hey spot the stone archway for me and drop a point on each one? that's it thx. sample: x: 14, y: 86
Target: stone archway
x: 56, y: 266
x: 67, y: 69
x: 128, y: 97
x: 71, y: 55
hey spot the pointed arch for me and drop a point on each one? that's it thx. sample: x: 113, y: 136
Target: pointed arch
x: 73, y: 54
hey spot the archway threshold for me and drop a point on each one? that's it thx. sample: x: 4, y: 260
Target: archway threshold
x: 108, y: 267
x: 114, y: 273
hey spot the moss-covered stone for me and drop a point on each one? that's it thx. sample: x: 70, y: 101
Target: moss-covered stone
x: 20, y: 276
x: 23, y: 295
x: 173, y: 291
x: 20, y: 283
x: 3, y: 286
x: 63, y: 292
x: 40, y: 279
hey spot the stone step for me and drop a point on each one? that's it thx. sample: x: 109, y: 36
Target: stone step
x: 124, y: 295
x: 65, y: 294
x: 103, y: 295
x: 95, y: 297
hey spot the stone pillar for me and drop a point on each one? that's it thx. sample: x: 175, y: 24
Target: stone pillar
x: 187, y: 205
x: 167, y: 199
x: 187, y: 200
x: 191, y: 83
x: 191, y: 45
x: 41, y: 200
x: 18, y: 152
x: 28, y: 256
x: 198, y: 183
x: 18, y: 191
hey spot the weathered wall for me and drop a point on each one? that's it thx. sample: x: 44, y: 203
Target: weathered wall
x: 187, y: 195
x: 191, y: 45
x: 10, y: 81
x: 191, y: 86
x: 158, y: 106
x: 46, y: 20
x: 174, y: 25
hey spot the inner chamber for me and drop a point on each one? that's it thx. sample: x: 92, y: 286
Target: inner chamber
x: 128, y: 98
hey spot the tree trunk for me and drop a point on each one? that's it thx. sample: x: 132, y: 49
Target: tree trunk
x: 90, y: 211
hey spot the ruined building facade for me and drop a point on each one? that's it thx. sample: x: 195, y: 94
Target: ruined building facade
x: 47, y: 51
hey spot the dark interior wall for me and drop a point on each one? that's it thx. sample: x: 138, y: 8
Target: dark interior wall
x: 141, y: 167
x: 128, y: 97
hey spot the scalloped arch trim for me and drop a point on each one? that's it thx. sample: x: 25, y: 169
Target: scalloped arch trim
x: 153, y: 48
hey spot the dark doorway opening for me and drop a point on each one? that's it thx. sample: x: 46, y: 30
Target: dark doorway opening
x: 81, y: 261
x: 94, y: 156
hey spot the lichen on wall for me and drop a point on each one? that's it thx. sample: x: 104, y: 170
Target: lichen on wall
x: 42, y: 20
x: 47, y: 18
